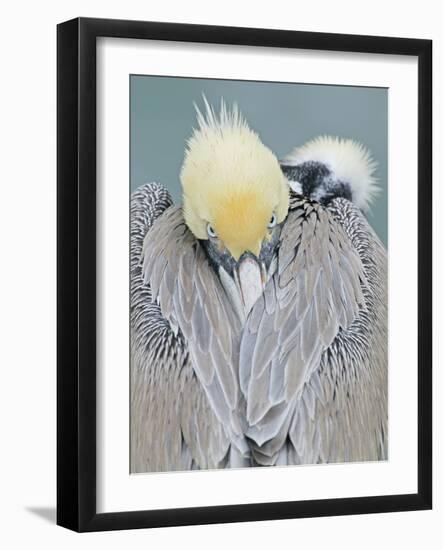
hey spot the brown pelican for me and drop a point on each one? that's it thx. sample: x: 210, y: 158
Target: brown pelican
x: 258, y: 308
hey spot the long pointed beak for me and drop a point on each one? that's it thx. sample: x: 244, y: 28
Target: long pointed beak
x: 250, y: 280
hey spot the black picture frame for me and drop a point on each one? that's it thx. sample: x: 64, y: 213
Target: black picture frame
x: 76, y: 280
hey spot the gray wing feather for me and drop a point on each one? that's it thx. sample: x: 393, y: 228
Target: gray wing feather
x: 174, y: 262
x: 173, y: 426
x: 316, y: 291
x: 312, y: 356
x: 342, y: 413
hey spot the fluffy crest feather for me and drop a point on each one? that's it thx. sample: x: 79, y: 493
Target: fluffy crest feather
x: 349, y: 160
x: 231, y: 180
x: 228, y: 119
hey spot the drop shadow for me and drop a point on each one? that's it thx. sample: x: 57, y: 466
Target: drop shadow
x: 44, y: 512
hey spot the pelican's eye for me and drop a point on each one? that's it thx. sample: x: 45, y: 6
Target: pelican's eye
x: 273, y: 221
x: 211, y: 231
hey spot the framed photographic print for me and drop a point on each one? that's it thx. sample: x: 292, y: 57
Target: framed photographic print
x: 244, y: 274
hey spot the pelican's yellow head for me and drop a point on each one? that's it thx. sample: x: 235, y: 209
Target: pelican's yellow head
x: 233, y: 187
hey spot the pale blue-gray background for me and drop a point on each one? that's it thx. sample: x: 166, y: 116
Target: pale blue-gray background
x: 285, y: 115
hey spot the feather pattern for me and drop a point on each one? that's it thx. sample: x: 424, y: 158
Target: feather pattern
x: 303, y: 381
x: 201, y: 311
x: 304, y: 327
x: 173, y: 426
x: 331, y: 347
